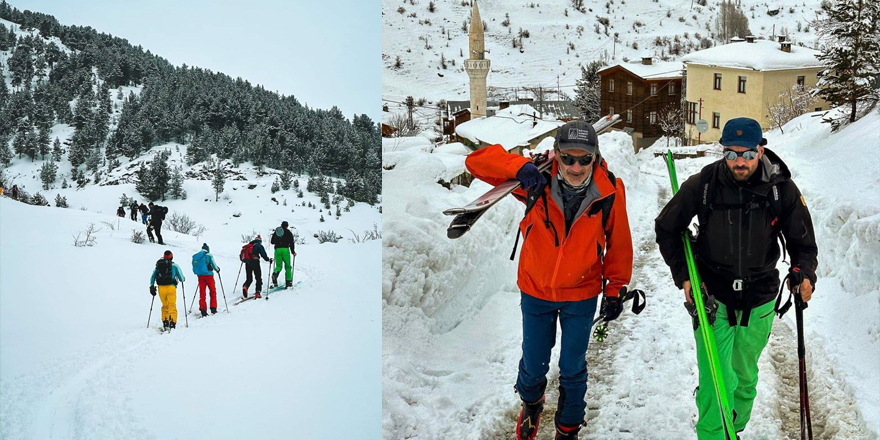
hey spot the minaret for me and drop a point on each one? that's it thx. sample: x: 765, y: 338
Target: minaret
x: 477, y: 66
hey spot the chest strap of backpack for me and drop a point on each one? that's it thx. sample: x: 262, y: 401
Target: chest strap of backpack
x: 531, y: 199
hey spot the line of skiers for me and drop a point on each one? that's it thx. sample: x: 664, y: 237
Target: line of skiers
x: 576, y: 220
x: 151, y: 215
x: 168, y: 274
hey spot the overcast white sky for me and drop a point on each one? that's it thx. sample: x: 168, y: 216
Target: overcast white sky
x: 324, y: 53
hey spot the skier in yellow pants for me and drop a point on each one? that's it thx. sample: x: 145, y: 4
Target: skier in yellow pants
x: 166, y: 275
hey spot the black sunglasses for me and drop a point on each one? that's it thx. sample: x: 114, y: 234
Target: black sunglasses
x: 582, y: 160
x: 747, y: 155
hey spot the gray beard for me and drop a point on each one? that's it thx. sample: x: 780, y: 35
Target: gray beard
x: 574, y: 188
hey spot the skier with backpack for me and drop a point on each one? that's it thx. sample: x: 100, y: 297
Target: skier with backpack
x: 134, y: 209
x: 166, y: 275
x: 157, y: 215
x: 120, y: 212
x: 250, y: 255
x: 145, y: 212
x: 204, y: 266
x: 576, y: 245
x: 284, y: 247
x: 743, y: 202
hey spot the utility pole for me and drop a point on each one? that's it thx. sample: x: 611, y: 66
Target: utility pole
x: 541, y: 101
x: 699, y: 117
x: 410, y: 105
x: 614, y: 45
x: 558, y: 89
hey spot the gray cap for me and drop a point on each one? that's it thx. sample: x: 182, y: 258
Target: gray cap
x: 577, y: 134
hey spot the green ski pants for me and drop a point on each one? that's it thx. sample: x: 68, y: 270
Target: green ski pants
x: 282, y: 255
x: 738, y: 351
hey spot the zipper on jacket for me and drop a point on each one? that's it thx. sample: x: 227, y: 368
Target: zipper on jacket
x: 739, y: 237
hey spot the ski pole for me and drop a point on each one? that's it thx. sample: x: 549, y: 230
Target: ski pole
x: 190, y: 304
x: 806, y: 422
x: 151, y: 311
x: 237, y: 276
x: 183, y: 289
x: 224, y: 291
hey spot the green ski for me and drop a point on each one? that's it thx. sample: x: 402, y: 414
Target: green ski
x: 705, y: 329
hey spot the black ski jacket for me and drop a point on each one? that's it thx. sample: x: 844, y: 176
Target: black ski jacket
x: 284, y: 241
x: 739, y: 239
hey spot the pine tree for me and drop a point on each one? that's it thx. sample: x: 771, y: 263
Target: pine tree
x: 159, y: 175
x: 5, y: 154
x: 176, y: 190
x: 43, y: 143
x: 286, y: 177
x: 587, y: 94
x: 219, y: 179
x: 39, y: 200
x: 276, y: 186
x: 47, y: 173
x: 56, y: 150
x: 851, y: 56
x: 30, y: 144
x: 60, y: 202
x: 143, y: 184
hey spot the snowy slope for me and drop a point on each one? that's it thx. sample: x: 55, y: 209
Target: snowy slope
x: 557, y: 42
x: 452, y: 325
x: 76, y: 360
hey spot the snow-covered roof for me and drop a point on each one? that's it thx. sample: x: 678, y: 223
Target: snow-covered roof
x: 512, y: 127
x: 656, y: 70
x: 760, y: 55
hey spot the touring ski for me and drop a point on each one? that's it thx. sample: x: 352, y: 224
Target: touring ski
x: 466, y: 216
x: 706, y: 330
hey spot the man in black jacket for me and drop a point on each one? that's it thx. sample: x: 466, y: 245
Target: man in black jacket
x: 284, y: 246
x: 157, y: 214
x: 743, y: 202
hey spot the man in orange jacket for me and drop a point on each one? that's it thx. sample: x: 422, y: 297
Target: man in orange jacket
x: 576, y: 244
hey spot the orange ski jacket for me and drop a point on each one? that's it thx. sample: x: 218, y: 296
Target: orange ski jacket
x: 588, y: 260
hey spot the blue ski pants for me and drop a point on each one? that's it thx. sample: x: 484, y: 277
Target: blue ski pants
x: 539, y: 337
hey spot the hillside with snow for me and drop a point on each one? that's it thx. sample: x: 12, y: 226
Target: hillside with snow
x: 452, y: 321
x: 559, y: 39
x: 76, y: 360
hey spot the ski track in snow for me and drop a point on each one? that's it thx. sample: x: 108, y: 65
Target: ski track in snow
x: 629, y: 395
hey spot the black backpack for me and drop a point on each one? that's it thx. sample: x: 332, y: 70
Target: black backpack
x: 164, y: 274
x: 161, y: 211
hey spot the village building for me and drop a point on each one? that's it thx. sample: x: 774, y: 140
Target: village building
x: 744, y: 79
x: 515, y: 128
x: 641, y: 93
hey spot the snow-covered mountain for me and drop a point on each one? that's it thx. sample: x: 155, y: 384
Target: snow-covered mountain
x: 452, y: 324
x: 559, y: 39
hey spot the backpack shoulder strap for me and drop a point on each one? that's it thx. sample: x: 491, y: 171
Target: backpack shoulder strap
x: 708, y: 182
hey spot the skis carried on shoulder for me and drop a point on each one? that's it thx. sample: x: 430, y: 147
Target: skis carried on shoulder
x: 706, y: 330
x: 467, y: 215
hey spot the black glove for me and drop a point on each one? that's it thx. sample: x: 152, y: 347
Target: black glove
x: 271, y: 260
x: 611, y: 307
x: 711, y: 309
x: 530, y: 177
x: 153, y: 290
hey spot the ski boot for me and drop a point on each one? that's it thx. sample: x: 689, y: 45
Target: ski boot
x: 165, y: 325
x: 172, y: 323
x: 257, y: 295
x: 288, y: 284
x: 213, y: 310
x: 564, y: 432
x: 243, y: 292
x: 275, y: 279
x: 204, y: 312
x: 529, y: 419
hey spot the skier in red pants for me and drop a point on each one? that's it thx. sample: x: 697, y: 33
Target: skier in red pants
x: 204, y: 266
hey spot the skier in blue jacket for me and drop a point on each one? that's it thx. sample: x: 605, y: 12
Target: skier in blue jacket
x: 204, y: 266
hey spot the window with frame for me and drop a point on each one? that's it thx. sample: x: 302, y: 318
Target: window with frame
x: 692, y: 113
x: 611, y: 85
x: 716, y: 120
x: 652, y: 117
x: 818, y: 109
x: 671, y: 88
x: 629, y: 116
x: 717, y: 84
x: 629, y: 87
x: 653, y: 89
x: 801, y: 81
x: 741, y: 85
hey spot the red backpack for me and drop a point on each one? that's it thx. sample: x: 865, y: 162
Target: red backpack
x: 247, y: 252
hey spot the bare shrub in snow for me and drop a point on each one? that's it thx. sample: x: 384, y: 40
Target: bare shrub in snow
x: 87, y: 237
x: 327, y: 237
x: 181, y: 223
x: 137, y: 237
x: 368, y: 235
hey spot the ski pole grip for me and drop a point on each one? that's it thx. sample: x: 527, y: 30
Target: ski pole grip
x: 638, y: 296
